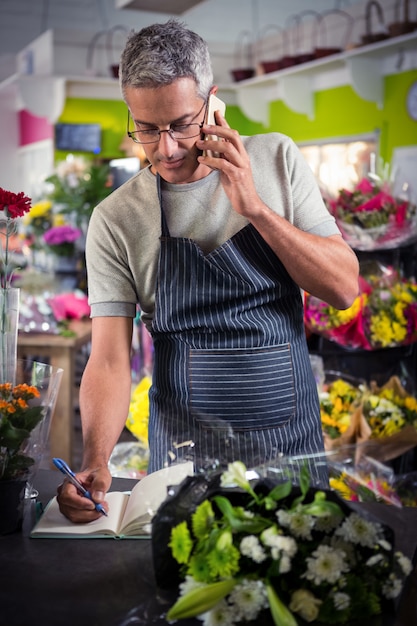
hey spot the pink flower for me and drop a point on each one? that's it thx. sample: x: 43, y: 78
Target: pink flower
x: 365, y: 186
x: 377, y: 202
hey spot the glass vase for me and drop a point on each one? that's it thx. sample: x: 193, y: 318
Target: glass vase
x: 9, y: 325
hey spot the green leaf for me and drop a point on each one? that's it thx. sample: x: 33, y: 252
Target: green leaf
x: 281, y: 615
x: 235, y: 519
x: 304, y: 480
x: 32, y: 417
x: 281, y: 491
x: 322, y: 508
x: 200, y: 600
x: 11, y: 437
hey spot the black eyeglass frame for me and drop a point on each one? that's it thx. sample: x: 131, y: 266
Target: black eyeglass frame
x: 131, y: 134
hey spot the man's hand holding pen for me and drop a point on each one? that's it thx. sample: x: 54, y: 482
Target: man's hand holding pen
x: 81, y: 496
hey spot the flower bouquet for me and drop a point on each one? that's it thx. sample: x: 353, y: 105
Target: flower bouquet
x: 363, y: 480
x: 384, y: 314
x: 249, y: 551
x: 370, y: 217
x: 384, y: 419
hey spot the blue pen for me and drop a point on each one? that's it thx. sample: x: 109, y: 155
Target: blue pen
x: 63, y: 467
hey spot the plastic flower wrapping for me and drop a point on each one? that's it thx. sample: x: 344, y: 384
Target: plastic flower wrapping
x: 360, y: 478
x: 385, y: 418
x: 371, y: 217
x: 244, y: 548
x: 383, y: 315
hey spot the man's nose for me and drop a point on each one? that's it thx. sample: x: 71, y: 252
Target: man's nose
x: 166, y: 142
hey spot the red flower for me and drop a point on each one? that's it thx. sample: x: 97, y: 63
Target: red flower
x: 365, y: 186
x: 377, y: 202
x: 15, y: 204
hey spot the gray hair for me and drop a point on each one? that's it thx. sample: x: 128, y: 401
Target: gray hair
x: 159, y: 54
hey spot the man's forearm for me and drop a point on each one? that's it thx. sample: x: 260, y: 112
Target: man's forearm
x: 104, y: 405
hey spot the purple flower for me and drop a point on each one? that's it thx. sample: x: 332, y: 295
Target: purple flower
x: 58, y: 235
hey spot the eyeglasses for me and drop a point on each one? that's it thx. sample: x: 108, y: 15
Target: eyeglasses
x: 176, y: 131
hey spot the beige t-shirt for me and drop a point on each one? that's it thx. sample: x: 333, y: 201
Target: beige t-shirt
x: 123, y: 236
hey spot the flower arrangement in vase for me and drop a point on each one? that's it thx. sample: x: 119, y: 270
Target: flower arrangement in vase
x: 12, y: 206
x: 253, y: 547
x: 28, y: 390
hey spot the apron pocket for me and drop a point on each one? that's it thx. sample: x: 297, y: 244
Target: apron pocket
x: 244, y: 388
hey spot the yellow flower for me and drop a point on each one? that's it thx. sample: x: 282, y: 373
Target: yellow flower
x: 59, y: 220
x: 40, y: 209
x: 339, y: 485
x: 137, y: 421
x: 385, y: 331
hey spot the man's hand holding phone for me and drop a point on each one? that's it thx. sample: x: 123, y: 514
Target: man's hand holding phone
x: 214, y: 104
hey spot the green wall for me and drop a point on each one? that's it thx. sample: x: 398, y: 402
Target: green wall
x: 339, y: 112
x: 110, y: 114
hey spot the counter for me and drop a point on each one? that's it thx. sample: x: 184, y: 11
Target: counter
x: 109, y: 582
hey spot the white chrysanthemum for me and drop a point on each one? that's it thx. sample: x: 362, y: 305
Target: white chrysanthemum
x: 247, y: 599
x: 282, y: 543
x: 325, y: 565
x: 189, y: 584
x: 404, y: 562
x: 327, y: 523
x: 359, y: 531
x: 374, y: 560
x: 341, y: 601
x: 348, y: 548
x: 268, y: 535
x: 251, y: 547
x: 385, y: 545
x: 284, y: 564
x: 220, y: 615
x: 299, y: 524
x: 392, y: 587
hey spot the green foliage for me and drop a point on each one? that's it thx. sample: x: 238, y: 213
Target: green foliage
x: 79, y: 195
x: 18, y: 417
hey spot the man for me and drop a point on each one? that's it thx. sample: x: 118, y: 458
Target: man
x: 214, y: 250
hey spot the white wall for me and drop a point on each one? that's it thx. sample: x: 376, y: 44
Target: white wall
x: 9, y: 133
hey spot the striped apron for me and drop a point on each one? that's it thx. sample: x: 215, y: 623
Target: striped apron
x: 232, y: 378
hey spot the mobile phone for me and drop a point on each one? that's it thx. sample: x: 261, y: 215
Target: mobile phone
x: 214, y: 104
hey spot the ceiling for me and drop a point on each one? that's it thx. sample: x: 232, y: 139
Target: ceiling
x: 220, y: 22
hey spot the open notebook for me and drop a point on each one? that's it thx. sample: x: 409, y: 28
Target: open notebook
x: 130, y: 514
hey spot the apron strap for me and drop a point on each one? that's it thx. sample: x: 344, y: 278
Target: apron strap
x: 164, y: 225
